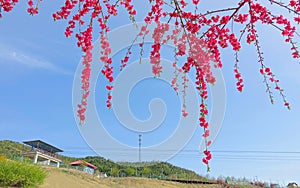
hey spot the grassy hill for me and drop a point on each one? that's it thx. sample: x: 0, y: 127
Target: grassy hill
x: 160, y: 170
x: 10, y: 149
x: 58, y: 178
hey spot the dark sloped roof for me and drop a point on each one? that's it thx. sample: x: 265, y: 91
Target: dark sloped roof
x: 43, y: 145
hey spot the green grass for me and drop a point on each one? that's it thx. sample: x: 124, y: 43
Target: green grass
x: 20, y: 174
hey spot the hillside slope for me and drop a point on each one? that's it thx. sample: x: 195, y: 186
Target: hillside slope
x: 68, y: 178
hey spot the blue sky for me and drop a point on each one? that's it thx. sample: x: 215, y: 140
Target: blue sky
x: 37, y: 67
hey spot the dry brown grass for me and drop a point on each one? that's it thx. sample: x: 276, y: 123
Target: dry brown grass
x: 57, y: 178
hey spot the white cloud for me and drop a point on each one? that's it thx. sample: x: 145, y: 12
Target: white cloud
x: 32, y: 61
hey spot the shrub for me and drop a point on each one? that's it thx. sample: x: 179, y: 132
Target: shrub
x: 2, y: 158
x: 20, y: 174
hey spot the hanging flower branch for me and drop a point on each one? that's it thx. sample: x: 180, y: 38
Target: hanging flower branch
x: 198, y: 36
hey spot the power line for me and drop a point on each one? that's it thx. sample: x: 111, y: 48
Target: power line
x: 190, y: 150
x: 253, y: 151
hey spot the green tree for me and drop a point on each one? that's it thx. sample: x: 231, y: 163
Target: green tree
x: 114, y: 171
x: 146, y: 171
x: 130, y: 171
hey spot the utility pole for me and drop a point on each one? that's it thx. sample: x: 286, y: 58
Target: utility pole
x: 140, y: 145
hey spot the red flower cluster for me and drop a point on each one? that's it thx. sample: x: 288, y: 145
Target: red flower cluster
x: 155, y: 53
x: 108, y: 69
x: 239, y: 84
x: 86, y: 46
x: 129, y: 7
x: 7, y: 5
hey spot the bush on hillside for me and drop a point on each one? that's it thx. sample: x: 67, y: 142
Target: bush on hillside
x: 20, y: 174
